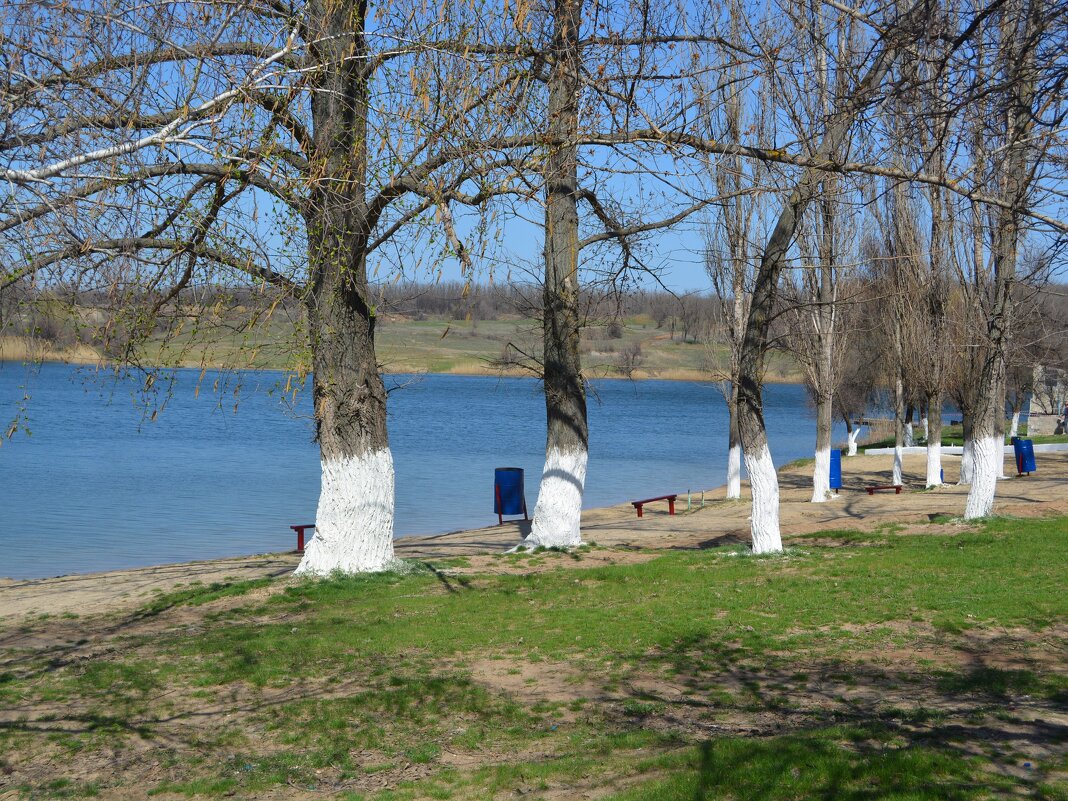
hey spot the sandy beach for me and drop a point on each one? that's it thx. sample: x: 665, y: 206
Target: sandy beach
x: 719, y: 522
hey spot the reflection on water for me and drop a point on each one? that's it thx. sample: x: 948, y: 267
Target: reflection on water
x: 99, y: 486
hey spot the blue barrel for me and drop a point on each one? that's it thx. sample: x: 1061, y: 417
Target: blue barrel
x: 508, y: 491
x: 836, y: 469
x: 1024, y: 451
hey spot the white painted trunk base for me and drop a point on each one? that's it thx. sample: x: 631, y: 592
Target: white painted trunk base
x: 558, y: 513
x: 734, y: 472
x: 354, y: 521
x: 853, y: 435
x: 1014, y: 430
x: 926, y: 428
x: 898, y: 455
x: 967, y: 463
x: 988, y: 459
x: 910, y: 439
x: 821, y: 476
x: 765, y: 485
x: 934, y: 464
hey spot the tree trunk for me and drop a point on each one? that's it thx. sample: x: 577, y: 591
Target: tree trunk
x: 910, y: 439
x: 934, y: 439
x: 354, y: 519
x: 557, y: 515
x: 1018, y: 59
x: 1014, y: 429
x: 734, y: 452
x: 967, y: 458
x: 899, y: 429
x: 821, y: 473
x: 853, y: 434
x: 758, y: 461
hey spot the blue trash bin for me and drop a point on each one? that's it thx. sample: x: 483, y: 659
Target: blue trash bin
x: 836, y: 469
x: 508, y: 495
x: 1024, y: 451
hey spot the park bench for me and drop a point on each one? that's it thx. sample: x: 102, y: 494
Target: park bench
x: 895, y: 487
x: 669, y: 498
x: 300, y: 535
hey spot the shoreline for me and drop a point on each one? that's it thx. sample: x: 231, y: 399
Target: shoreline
x: 85, y: 357
x: 616, y: 530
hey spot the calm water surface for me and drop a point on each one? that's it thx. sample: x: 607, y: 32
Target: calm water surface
x: 99, y: 485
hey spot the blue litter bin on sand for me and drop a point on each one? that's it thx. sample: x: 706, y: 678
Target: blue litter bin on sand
x: 836, y: 469
x: 508, y: 496
x: 1024, y: 451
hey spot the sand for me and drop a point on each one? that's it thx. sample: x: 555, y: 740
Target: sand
x: 719, y: 522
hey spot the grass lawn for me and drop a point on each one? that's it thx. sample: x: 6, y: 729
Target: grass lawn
x: 856, y: 666
x: 954, y: 436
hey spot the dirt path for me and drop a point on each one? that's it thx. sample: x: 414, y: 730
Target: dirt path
x: 720, y: 522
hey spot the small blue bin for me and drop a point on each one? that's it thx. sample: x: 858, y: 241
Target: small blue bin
x: 508, y: 496
x: 1024, y: 451
x: 836, y: 469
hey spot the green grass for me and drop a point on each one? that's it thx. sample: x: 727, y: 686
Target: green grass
x: 326, y: 684
x: 954, y: 436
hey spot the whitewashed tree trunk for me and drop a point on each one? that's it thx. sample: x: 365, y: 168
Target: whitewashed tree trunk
x: 896, y: 479
x: 765, y: 485
x: 821, y: 471
x: 558, y: 512
x: 1014, y: 430
x: 734, y: 472
x: 933, y: 425
x: 926, y: 428
x: 734, y: 450
x: 967, y: 463
x: 908, y: 435
x: 354, y: 520
x: 821, y: 476
x: 987, y: 464
x: 853, y: 441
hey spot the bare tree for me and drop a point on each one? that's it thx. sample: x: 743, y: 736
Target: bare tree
x: 150, y: 151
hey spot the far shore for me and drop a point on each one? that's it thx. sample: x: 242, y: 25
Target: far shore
x: 83, y: 356
x: 616, y: 530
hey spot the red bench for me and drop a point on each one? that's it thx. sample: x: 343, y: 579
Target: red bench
x: 895, y: 487
x: 669, y: 498
x: 300, y: 535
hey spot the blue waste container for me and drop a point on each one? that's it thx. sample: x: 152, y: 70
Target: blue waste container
x: 836, y: 469
x: 508, y: 496
x: 1024, y: 451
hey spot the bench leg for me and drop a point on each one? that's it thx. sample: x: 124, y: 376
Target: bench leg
x: 639, y: 508
x: 671, y: 506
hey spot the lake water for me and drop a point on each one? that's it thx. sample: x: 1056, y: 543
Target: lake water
x: 99, y: 485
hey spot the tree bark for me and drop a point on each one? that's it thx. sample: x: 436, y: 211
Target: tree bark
x: 558, y: 510
x: 934, y: 438
x: 734, y: 452
x: 354, y: 519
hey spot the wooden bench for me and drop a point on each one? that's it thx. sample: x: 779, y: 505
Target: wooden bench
x: 300, y: 535
x: 669, y: 498
x: 895, y: 487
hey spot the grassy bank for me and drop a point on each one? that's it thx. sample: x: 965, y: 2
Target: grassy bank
x: 639, y: 350
x: 953, y: 435
x: 921, y: 666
